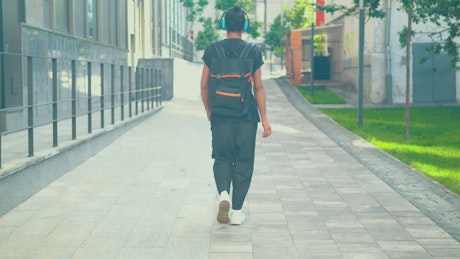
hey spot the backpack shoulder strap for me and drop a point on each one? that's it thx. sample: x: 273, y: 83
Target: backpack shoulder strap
x: 246, y: 50
x: 219, y: 50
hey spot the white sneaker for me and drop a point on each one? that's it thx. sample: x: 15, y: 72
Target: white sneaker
x: 224, y: 207
x: 237, y: 217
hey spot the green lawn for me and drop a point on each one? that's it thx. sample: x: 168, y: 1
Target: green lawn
x: 434, y: 144
x: 322, y: 95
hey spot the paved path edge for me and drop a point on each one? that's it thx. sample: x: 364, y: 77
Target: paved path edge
x: 430, y: 197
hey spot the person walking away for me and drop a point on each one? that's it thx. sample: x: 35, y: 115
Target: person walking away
x: 234, y: 99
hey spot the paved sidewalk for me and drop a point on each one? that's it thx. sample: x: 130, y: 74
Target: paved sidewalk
x: 151, y: 194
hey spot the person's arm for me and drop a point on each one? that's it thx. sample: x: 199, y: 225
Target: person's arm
x: 259, y: 92
x: 204, y: 90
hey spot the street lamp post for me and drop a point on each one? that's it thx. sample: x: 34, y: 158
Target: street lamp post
x: 361, y: 62
x: 312, y: 50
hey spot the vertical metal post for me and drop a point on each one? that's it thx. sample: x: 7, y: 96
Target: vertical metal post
x: 147, y: 87
x: 55, y: 101
x: 389, y: 73
x: 155, y: 84
x: 160, y: 86
x: 312, y: 50
x: 102, y: 96
x: 0, y: 146
x: 74, y: 99
x: 158, y: 91
x: 30, y: 105
x: 137, y: 86
x: 0, y: 142
x: 361, y: 63
x: 152, y: 83
x: 408, y: 70
x: 143, y: 89
x: 130, y: 109
x: 90, y: 112
x: 122, y: 93
x: 1, y: 88
x: 112, y: 94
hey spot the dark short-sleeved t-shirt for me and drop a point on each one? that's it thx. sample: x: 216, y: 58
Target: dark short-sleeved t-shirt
x: 233, y: 48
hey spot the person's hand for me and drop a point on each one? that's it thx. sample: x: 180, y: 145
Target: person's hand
x: 267, y: 129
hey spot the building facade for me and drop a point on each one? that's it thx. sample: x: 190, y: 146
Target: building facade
x: 434, y: 81
x: 101, y: 37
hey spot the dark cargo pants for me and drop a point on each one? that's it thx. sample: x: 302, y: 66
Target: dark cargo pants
x: 233, y: 150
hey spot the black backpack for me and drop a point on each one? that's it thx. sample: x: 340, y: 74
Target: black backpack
x: 230, y: 82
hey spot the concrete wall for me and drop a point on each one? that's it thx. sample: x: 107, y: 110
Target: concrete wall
x: 179, y: 79
x: 351, y: 55
x: 166, y: 65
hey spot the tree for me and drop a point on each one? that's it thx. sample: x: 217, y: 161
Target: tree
x: 444, y: 13
x: 372, y: 8
x: 297, y: 17
x: 195, y: 10
x: 274, y: 36
x: 300, y: 15
x: 226, y: 4
x: 206, y: 37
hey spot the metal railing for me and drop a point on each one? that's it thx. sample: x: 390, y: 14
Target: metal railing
x: 181, y: 46
x: 82, y: 92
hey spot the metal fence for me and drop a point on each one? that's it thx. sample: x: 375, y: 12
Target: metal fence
x: 66, y: 98
x: 181, y: 47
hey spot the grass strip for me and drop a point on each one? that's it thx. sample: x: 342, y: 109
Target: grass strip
x: 321, y: 95
x: 434, y: 144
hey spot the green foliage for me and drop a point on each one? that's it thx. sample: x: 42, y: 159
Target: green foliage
x: 319, y: 44
x: 226, y: 4
x: 301, y: 15
x: 322, y: 95
x: 372, y: 8
x: 434, y: 147
x: 195, y: 8
x: 254, y: 28
x: 206, y: 37
x: 274, y: 37
x: 445, y: 14
x: 403, y: 36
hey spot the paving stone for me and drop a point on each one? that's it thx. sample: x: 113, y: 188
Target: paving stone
x: 231, y: 247
x: 275, y: 252
x: 272, y: 239
x: 151, y: 194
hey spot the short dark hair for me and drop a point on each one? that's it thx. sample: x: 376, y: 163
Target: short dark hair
x: 235, y: 18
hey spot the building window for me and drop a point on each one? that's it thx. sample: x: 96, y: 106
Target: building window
x: 61, y: 15
x: 92, y: 19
